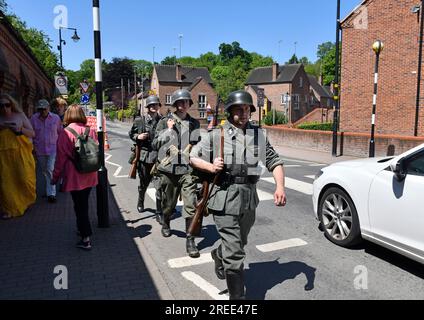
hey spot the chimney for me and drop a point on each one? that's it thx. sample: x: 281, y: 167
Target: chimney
x: 274, y: 71
x: 178, y: 72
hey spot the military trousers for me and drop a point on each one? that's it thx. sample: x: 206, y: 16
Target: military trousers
x: 172, y: 185
x: 144, y: 170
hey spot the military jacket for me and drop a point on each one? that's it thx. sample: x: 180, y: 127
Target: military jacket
x: 173, y: 145
x: 246, y: 152
x: 145, y: 124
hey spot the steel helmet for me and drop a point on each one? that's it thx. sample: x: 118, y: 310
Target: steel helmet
x: 181, y: 94
x: 152, y: 100
x: 238, y: 98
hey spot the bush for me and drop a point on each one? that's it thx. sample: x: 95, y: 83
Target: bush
x: 280, y: 118
x: 112, y: 115
x: 120, y: 114
x: 326, y: 126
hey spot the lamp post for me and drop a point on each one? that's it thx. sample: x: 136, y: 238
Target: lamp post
x: 180, y: 36
x: 420, y: 59
x: 75, y: 37
x: 101, y: 189
x: 336, y: 85
x: 377, y: 47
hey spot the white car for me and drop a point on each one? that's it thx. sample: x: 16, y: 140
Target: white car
x: 377, y: 199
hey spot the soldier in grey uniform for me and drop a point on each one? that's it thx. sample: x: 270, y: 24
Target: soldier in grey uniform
x: 173, y: 141
x: 142, y: 133
x: 234, y: 199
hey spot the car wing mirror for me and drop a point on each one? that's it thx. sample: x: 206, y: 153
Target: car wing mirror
x: 398, y: 169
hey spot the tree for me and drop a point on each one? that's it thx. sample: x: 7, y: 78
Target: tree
x: 3, y: 5
x: 329, y: 66
x: 305, y: 61
x: 260, y: 61
x: 169, y: 61
x: 324, y: 49
x: 227, y: 52
x: 293, y: 60
x: 117, y: 69
x: 39, y: 43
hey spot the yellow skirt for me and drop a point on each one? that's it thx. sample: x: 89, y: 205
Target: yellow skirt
x: 17, y: 173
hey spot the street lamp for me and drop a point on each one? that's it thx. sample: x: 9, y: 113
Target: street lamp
x: 75, y: 38
x: 180, y: 36
x: 378, y: 47
x: 336, y: 85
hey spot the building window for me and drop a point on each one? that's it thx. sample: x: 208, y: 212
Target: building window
x: 296, y: 102
x: 202, y: 102
x: 202, y: 115
x: 168, y: 99
x: 285, y: 98
x: 301, y: 82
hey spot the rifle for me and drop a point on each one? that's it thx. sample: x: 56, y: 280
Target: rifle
x: 201, y: 206
x: 133, y: 169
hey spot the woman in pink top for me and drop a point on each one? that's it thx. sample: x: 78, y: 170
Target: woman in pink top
x: 79, y: 184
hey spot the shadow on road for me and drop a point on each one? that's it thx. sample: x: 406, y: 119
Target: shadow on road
x: 274, y: 273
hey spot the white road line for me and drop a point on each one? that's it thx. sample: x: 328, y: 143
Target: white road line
x: 317, y: 165
x: 265, y: 196
x: 310, y: 177
x: 210, y: 289
x: 281, y: 245
x: 292, y: 166
x: 151, y: 192
x: 118, y: 170
x: 294, y: 184
x: 184, y: 262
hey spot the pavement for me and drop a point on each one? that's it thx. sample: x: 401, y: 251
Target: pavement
x: 39, y: 259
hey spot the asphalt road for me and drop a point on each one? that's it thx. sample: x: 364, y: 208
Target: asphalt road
x: 288, y: 258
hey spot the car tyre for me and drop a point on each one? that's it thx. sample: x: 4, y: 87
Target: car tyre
x: 339, y: 218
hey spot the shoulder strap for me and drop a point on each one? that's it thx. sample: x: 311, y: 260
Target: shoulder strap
x: 87, y: 131
x: 76, y: 135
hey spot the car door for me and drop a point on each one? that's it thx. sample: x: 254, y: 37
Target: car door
x: 396, y: 207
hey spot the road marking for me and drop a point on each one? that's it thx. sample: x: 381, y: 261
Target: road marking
x: 151, y: 192
x: 264, y: 196
x: 184, y: 262
x: 292, y: 166
x: 294, y: 184
x: 210, y: 289
x: 118, y: 170
x: 310, y: 177
x: 281, y: 245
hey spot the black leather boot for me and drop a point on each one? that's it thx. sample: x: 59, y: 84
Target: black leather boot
x: 235, y: 284
x: 140, y: 203
x: 219, y: 267
x: 159, y: 213
x: 166, y: 229
x: 191, y: 248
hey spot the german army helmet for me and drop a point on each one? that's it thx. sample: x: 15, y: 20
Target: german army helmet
x: 181, y: 94
x: 238, y: 98
x: 152, y: 100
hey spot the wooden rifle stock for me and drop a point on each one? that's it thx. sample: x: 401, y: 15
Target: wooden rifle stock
x: 201, y: 206
x: 133, y: 169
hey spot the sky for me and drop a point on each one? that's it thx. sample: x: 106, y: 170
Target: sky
x: 141, y: 29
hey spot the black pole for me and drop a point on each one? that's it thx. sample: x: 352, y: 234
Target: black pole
x: 336, y: 84
x: 374, y: 107
x: 420, y: 59
x: 60, y: 47
x: 102, y: 191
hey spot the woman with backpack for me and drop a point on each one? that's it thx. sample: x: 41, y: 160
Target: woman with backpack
x: 79, y: 184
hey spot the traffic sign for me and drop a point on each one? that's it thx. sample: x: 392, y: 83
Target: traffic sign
x: 84, y: 86
x: 85, y: 99
x: 261, y: 96
x: 61, y: 83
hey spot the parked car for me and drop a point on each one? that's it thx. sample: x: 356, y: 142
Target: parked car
x: 378, y: 199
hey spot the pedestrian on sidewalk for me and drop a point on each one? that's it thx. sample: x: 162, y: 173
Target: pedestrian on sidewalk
x: 47, y: 127
x: 59, y: 106
x: 142, y: 133
x: 17, y: 165
x: 173, y: 140
x: 78, y: 184
x: 234, y: 200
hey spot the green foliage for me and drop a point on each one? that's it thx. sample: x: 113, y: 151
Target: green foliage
x: 3, y: 5
x: 293, y: 60
x: 314, y: 69
x: 112, y: 114
x: 132, y: 110
x: 326, y: 126
x: 324, y: 49
x: 329, y: 66
x: 120, y: 114
x: 169, y: 61
x: 280, y: 118
x: 39, y: 43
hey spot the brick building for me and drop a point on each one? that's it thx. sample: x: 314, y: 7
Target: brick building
x: 21, y: 75
x: 397, y: 24
x: 167, y: 79
x: 287, y: 89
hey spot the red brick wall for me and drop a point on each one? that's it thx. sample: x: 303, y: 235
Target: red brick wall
x: 318, y: 115
x: 202, y: 88
x: 354, y: 144
x: 393, y: 23
x: 21, y: 76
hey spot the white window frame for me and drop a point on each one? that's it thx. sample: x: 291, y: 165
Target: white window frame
x: 296, y: 101
x: 202, y: 114
x: 167, y: 99
x: 203, y: 104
